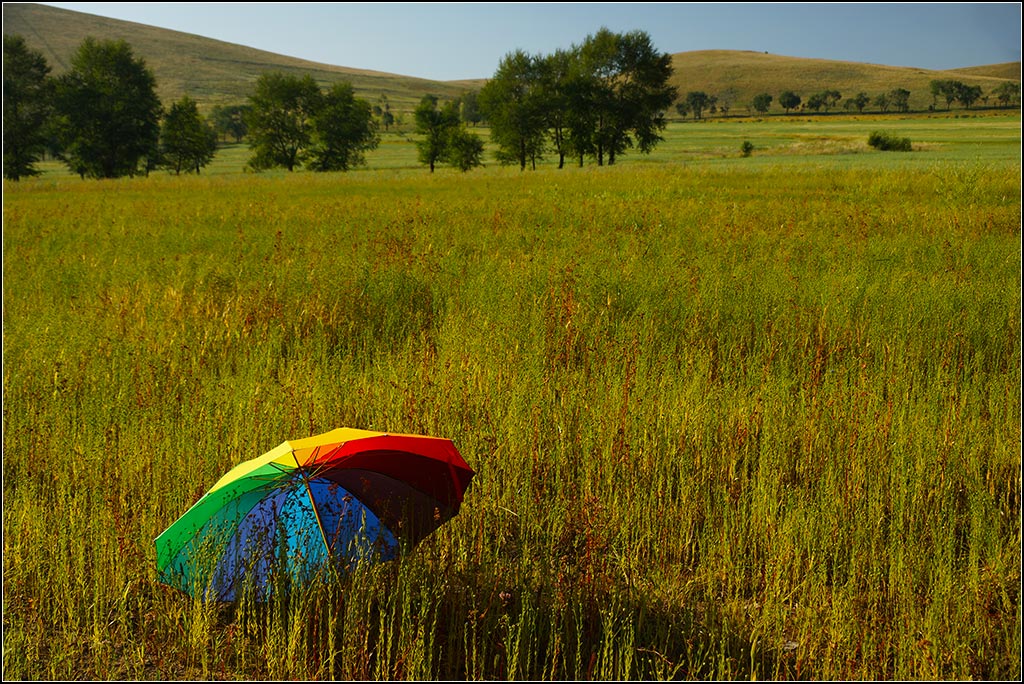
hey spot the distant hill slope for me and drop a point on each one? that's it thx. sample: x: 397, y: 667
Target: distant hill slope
x: 1009, y: 71
x: 215, y: 72
x: 210, y: 71
x: 745, y: 74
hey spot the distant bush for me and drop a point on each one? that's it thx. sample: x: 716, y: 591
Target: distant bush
x: 746, y: 148
x: 888, y: 142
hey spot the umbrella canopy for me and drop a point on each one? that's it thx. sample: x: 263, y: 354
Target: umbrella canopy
x: 312, y: 504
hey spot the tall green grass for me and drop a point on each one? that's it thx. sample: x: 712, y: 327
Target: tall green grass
x: 728, y: 422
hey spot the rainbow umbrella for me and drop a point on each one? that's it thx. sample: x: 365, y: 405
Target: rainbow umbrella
x: 309, y: 506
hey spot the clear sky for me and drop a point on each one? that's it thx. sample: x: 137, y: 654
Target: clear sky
x: 449, y: 41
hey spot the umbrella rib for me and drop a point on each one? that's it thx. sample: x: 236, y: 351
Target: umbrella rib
x: 312, y: 502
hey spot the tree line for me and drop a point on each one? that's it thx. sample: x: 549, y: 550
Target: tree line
x: 696, y: 103
x: 103, y: 119
x: 596, y: 100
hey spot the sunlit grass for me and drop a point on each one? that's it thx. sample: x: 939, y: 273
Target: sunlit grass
x: 729, y: 419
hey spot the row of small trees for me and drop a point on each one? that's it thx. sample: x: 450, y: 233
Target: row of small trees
x: 695, y: 103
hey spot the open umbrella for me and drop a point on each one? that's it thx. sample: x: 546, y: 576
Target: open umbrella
x: 312, y: 504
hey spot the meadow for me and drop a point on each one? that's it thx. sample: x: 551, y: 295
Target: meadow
x: 731, y: 417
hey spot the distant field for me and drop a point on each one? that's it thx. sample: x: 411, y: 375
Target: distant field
x: 838, y: 139
x: 732, y: 418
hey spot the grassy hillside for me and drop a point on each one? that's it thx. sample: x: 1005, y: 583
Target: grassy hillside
x: 745, y: 74
x: 1009, y: 71
x: 210, y: 71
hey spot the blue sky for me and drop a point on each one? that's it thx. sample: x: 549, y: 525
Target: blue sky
x: 448, y: 41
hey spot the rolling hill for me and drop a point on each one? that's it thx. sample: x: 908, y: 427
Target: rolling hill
x: 210, y: 71
x: 215, y: 72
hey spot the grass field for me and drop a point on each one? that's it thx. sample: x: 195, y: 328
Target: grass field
x: 731, y: 417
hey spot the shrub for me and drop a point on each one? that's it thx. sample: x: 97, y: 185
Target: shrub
x: 746, y: 148
x: 888, y: 142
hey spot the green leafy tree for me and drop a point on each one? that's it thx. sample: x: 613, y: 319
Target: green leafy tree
x: 230, y: 121
x: 882, y: 101
x: 761, y: 103
x: 789, y: 101
x: 967, y: 95
x: 815, y: 102
x: 899, y: 98
x: 628, y: 92
x: 515, y: 102
x: 463, y: 150
x: 556, y: 76
x: 697, y: 101
x: 830, y: 98
x: 435, y: 123
x: 281, y: 120
x: 187, y: 142
x: 1007, y: 93
x: 107, y: 119
x: 582, y: 118
x: 26, y: 107
x: 859, y: 101
x: 382, y: 110
x: 344, y: 130
x: 469, y: 108
x: 946, y: 89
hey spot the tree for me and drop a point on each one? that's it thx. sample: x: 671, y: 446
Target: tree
x: 761, y: 103
x: 556, y: 75
x: 187, y: 142
x: 628, y: 92
x: 967, y: 95
x: 463, y: 150
x: 436, y: 124
x: 826, y: 99
x: 830, y: 98
x: 882, y: 101
x: 789, y: 101
x: 107, y: 120
x: 231, y: 120
x: 899, y: 98
x: 383, y: 110
x: 859, y: 101
x: 26, y: 107
x: 280, y: 121
x: 726, y: 99
x: 469, y: 108
x: 697, y: 101
x: 1007, y: 93
x: 946, y: 89
x: 344, y: 130
x: 514, y: 102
